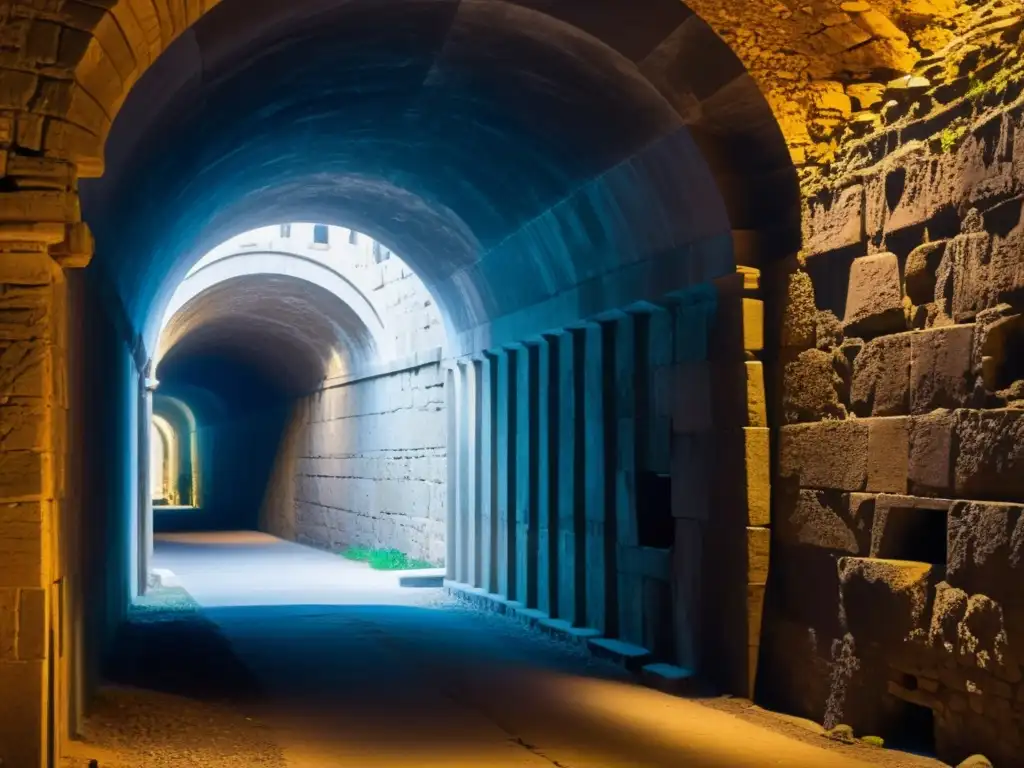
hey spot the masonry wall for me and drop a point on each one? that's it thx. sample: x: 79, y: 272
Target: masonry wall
x: 364, y: 464
x: 896, y: 597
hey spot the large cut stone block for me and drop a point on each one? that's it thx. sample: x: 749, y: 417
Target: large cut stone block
x: 828, y: 454
x: 757, y: 455
x: 988, y: 270
x: 881, y: 377
x: 931, y: 454
x: 811, y: 387
x: 921, y: 270
x: 940, y: 368
x: 888, y: 454
x: 832, y: 520
x: 874, y: 297
x: 835, y: 221
x: 990, y: 462
x: 909, y: 528
x: 885, y: 600
x: 985, y: 547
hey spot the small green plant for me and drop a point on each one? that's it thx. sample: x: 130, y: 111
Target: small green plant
x: 385, y: 559
x: 976, y: 88
x: 950, y: 137
x: 874, y: 741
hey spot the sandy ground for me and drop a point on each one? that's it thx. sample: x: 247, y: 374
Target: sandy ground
x: 301, y: 659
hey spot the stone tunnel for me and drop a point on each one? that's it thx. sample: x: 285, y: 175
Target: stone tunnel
x: 691, y: 332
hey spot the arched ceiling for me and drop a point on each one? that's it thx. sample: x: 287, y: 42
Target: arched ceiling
x: 289, y: 333
x: 534, y: 160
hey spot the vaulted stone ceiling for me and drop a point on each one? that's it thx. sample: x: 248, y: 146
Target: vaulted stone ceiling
x: 514, y: 158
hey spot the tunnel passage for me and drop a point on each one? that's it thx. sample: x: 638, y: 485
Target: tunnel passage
x: 547, y: 172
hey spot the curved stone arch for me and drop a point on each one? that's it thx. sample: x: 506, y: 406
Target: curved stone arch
x: 179, y: 417
x: 287, y: 265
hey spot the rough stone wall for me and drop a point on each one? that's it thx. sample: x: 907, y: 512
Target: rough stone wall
x: 364, y: 464
x: 895, y: 589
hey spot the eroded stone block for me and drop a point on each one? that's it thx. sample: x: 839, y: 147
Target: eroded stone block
x: 921, y: 270
x: 811, y: 387
x: 835, y: 221
x: 828, y: 454
x: 990, y: 461
x: 940, y: 368
x: 988, y: 270
x: 800, y: 313
x: 874, y: 297
x: 832, y: 520
x: 884, y: 600
x: 881, y: 377
x: 888, y: 454
x: 931, y: 454
x: 985, y: 547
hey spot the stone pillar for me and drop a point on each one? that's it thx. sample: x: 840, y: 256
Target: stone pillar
x: 32, y: 383
x: 630, y: 583
x: 527, y: 416
x: 461, y: 458
x: 452, y: 477
x: 571, y: 349
x: 547, y: 475
x: 506, y: 474
x: 145, y: 510
x: 471, y: 483
x: 599, y: 445
x: 487, y: 390
x: 688, y: 402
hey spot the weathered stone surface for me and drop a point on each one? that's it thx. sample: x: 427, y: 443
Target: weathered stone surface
x: 881, y: 377
x: 830, y: 454
x: 948, y: 611
x: 940, y: 368
x: 909, y: 528
x: 832, y: 520
x: 985, y: 547
x: 800, y: 313
x: 884, y: 600
x: 921, y: 270
x: 8, y: 624
x: 990, y: 461
x: 811, y: 388
x: 931, y: 454
x: 874, y: 297
x: 999, y: 333
x: 988, y: 270
x: 835, y: 221
x: 829, y: 330
x: 888, y: 454
x: 758, y: 553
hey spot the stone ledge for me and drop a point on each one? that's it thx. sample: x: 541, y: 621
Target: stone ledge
x: 666, y: 678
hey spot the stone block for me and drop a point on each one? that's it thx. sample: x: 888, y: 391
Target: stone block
x: 909, y: 528
x: 940, y: 368
x: 834, y: 220
x: 755, y: 613
x: 874, y: 297
x: 988, y: 270
x: 921, y: 270
x: 757, y: 443
x: 758, y: 555
x: 800, y: 313
x: 985, y: 547
x: 885, y: 600
x: 811, y: 388
x: 690, y: 397
x: 990, y: 461
x: 930, y: 467
x: 753, y: 325
x: 888, y: 454
x: 881, y: 377
x: 8, y: 624
x: 757, y: 409
x: 828, y: 454
x: 20, y: 722
x: 832, y: 520
x: 32, y: 629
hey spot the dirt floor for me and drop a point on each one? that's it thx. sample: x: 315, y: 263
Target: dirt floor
x: 350, y: 672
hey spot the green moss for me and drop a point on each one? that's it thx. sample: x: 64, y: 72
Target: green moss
x: 385, y: 559
x: 874, y: 741
x: 950, y: 137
